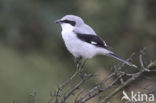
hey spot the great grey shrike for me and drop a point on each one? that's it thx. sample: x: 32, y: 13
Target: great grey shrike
x: 82, y: 41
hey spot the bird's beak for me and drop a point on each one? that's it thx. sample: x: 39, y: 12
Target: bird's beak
x: 58, y: 21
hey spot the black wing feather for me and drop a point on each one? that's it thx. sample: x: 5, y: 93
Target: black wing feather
x: 92, y: 38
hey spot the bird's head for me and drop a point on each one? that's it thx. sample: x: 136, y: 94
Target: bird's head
x: 70, y: 21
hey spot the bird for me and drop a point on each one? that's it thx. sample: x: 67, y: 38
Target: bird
x: 82, y: 41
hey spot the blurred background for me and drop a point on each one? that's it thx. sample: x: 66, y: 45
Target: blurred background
x: 32, y: 53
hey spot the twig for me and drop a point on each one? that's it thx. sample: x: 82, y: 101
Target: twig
x: 96, y: 87
x: 78, y: 95
x: 61, y: 87
x: 77, y: 86
x: 121, y: 87
x: 152, y: 64
x: 32, y: 97
x: 97, y: 90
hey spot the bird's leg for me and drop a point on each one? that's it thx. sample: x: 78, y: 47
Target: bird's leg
x: 78, y: 62
x: 79, y: 66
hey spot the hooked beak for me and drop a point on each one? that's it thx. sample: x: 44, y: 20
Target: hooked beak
x: 58, y: 21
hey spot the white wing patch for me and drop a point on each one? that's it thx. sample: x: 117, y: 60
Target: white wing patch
x: 105, y: 43
x: 94, y: 43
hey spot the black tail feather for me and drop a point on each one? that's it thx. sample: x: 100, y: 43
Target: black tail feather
x: 122, y: 60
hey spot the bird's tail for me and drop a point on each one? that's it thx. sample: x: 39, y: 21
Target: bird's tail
x: 122, y: 60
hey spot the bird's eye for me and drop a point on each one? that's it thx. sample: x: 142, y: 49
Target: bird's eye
x: 73, y: 23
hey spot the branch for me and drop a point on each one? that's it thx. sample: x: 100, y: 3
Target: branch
x: 133, y: 78
x: 62, y: 86
x: 95, y: 90
x: 99, y: 88
x: 77, y: 86
x: 79, y: 72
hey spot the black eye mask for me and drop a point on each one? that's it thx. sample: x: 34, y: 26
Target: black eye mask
x: 73, y: 23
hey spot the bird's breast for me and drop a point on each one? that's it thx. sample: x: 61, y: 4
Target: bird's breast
x: 78, y: 47
x: 69, y: 38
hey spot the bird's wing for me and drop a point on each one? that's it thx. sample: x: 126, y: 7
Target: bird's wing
x: 92, y: 39
x: 84, y: 29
